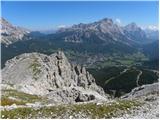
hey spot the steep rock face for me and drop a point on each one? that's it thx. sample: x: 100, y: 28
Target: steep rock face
x: 10, y: 33
x: 52, y: 75
x: 103, y: 31
x: 135, y: 33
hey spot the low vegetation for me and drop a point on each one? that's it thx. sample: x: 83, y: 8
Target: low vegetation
x: 10, y: 97
x: 7, y: 101
x: 123, y: 83
x: 103, y: 74
x: 148, y: 77
x: 35, y: 66
x: 89, y: 110
x: 111, y: 79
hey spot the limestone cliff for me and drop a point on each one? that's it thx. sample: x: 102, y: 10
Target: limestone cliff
x: 52, y: 76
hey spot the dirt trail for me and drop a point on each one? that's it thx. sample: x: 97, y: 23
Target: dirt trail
x: 138, y: 76
x: 124, y: 71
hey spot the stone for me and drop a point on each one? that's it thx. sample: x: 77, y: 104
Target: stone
x: 52, y: 76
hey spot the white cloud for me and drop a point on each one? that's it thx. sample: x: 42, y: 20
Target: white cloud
x: 118, y: 21
x: 61, y: 26
x: 151, y: 27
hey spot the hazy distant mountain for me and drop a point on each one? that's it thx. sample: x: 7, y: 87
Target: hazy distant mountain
x: 135, y: 33
x: 152, y: 50
x: 36, y: 34
x: 152, y: 34
x: 11, y: 33
x: 47, y: 31
x: 104, y: 31
x: 101, y: 37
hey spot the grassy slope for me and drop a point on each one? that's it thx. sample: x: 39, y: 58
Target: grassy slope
x: 20, y: 98
x: 89, y: 110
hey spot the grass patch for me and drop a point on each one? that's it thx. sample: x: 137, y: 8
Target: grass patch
x: 20, y: 96
x: 126, y: 62
x: 35, y: 66
x: 7, y: 101
x: 90, y: 110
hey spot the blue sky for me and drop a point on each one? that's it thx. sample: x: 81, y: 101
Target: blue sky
x: 51, y: 15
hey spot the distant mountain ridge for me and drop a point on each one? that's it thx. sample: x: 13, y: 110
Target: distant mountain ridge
x: 152, y: 34
x: 101, y: 37
x: 11, y: 33
x: 135, y: 33
x: 102, y: 31
x: 107, y: 31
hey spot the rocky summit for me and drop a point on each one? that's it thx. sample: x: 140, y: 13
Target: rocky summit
x: 104, y: 30
x: 51, y: 76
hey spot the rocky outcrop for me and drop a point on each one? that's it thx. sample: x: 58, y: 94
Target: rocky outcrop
x: 143, y: 90
x: 52, y: 76
x: 148, y: 96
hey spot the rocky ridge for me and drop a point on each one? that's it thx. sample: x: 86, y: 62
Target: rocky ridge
x: 104, y: 30
x: 52, y: 76
x: 135, y: 33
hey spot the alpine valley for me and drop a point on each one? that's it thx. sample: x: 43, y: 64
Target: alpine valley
x: 91, y: 70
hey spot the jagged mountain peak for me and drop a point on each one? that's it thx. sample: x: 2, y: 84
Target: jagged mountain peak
x: 6, y: 25
x: 4, y: 22
x: 134, y: 32
x: 132, y: 26
x: 51, y: 76
x: 104, y: 30
x: 106, y: 20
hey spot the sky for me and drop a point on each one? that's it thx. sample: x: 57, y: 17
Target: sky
x: 45, y: 15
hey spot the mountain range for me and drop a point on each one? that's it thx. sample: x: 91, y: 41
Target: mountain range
x: 101, y: 61
x: 105, y: 30
x: 100, y: 37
